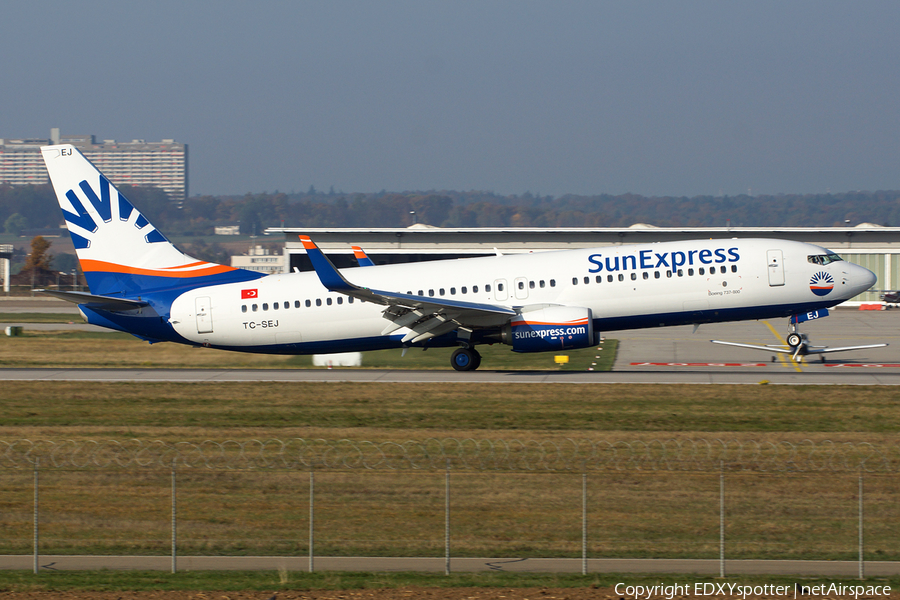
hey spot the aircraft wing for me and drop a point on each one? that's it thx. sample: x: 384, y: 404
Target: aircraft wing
x: 781, y: 349
x: 843, y: 349
x: 93, y: 301
x: 804, y: 351
x: 426, y: 317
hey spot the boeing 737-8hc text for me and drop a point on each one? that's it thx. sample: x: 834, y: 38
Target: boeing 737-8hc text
x: 551, y: 301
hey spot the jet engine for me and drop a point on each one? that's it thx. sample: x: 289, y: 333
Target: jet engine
x: 549, y: 329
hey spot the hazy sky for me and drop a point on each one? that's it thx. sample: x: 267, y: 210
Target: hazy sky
x: 656, y: 98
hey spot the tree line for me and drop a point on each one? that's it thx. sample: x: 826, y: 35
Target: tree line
x: 24, y: 208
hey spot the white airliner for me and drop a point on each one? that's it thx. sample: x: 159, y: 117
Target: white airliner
x: 141, y: 284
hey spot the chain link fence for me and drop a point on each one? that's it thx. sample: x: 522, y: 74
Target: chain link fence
x: 679, y: 498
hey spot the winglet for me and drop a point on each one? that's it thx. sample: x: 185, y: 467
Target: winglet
x: 361, y: 257
x: 327, y: 272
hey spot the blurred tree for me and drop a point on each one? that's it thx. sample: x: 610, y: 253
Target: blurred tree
x: 15, y: 224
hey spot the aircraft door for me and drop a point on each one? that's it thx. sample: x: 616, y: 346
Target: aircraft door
x: 776, y: 267
x: 204, y: 315
x: 500, y: 291
x: 521, y: 288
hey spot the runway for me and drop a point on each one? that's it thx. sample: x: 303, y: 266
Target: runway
x: 668, y: 355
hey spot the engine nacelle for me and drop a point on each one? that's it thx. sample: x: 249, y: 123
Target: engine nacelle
x: 549, y: 329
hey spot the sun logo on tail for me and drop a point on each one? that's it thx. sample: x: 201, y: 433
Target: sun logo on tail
x: 103, y: 203
x: 821, y: 283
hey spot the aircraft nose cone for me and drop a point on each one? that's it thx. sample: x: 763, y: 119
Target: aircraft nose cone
x: 863, y: 279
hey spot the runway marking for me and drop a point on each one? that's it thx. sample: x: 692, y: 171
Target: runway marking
x: 781, y: 357
x: 868, y: 365
x: 697, y: 364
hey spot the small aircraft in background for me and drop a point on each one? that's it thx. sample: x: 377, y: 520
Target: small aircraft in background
x: 798, y: 345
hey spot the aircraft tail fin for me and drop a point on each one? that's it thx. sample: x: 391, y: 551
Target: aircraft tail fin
x: 120, y: 251
x: 362, y: 259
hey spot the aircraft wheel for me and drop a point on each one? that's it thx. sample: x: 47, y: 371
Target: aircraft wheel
x: 794, y: 339
x: 465, y: 359
x: 477, y: 359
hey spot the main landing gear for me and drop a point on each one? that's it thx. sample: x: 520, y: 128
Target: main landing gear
x: 465, y: 359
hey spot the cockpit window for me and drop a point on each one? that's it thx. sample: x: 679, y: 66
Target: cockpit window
x: 823, y: 259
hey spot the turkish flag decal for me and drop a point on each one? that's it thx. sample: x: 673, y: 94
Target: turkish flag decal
x: 248, y: 294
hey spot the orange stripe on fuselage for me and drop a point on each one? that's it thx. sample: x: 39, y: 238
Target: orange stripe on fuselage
x: 91, y: 266
x: 567, y: 323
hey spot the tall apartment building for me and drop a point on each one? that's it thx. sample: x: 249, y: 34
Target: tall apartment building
x: 159, y: 164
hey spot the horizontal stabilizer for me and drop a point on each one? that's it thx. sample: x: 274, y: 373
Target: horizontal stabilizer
x: 94, y: 301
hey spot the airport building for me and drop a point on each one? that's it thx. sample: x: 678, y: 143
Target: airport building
x: 261, y: 259
x: 158, y: 164
x: 867, y: 245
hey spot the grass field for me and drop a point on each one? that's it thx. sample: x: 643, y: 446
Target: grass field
x: 653, y: 512
x: 376, y: 512
x: 40, y: 318
x: 104, y: 581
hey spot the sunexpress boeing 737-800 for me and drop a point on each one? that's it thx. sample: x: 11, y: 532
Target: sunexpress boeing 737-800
x: 549, y: 301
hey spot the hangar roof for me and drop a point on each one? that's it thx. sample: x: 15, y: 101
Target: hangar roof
x: 482, y: 240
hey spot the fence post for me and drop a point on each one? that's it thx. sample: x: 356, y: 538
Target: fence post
x: 37, y: 462
x: 447, y: 519
x: 174, y: 522
x: 721, y: 518
x: 862, y: 574
x: 312, y: 517
x: 583, y: 520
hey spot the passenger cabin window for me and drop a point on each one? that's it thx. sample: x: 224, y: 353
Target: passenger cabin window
x: 690, y: 272
x: 646, y: 275
x: 621, y: 277
x: 318, y: 302
x: 552, y: 283
x: 463, y: 289
x: 308, y: 304
x: 700, y: 271
x: 296, y: 304
x: 254, y: 308
x: 656, y: 274
x: 734, y: 268
x: 340, y: 299
x: 531, y: 285
x: 328, y: 301
x: 441, y: 292
x: 587, y: 280
x: 522, y: 285
x: 542, y: 284
x: 275, y: 306
x: 633, y: 276
x: 244, y: 308
x: 599, y: 278
x: 452, y: 291
x: 609, y: 278
x: 475, y: 289
x: 574, y: 281
x: 350, y: 300
x: 265, y: 306
x: 487, y: 287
